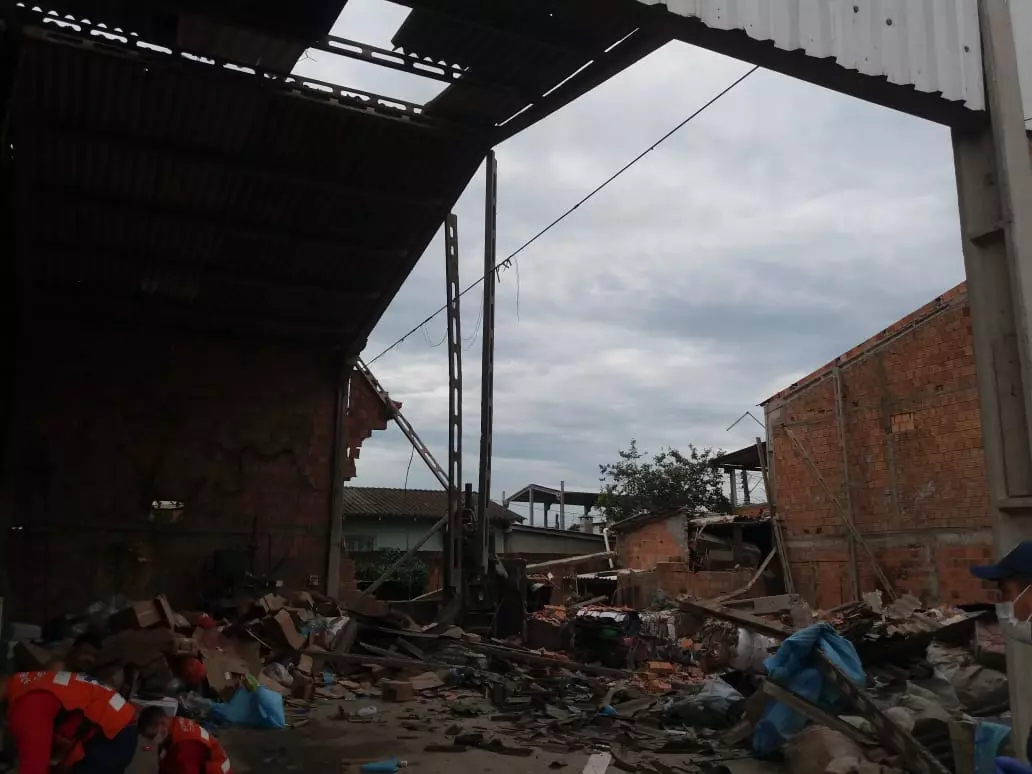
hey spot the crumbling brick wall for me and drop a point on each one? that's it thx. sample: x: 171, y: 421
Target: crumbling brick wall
x: 662, y: 540
x: 111, y: 419
x: 916, y: 471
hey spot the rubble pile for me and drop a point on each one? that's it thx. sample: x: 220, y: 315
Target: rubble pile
x: 694, y: 687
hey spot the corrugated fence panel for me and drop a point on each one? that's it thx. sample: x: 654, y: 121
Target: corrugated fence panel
x: 932, y: 45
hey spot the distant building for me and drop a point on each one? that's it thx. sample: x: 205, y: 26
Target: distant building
x: 376, y: 519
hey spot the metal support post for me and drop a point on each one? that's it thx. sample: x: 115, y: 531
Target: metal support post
x: 487, y: 363
x: 562, y: 505
x: 745, y: 487
x: 453, y: 537
x: 530, y: 502
x: 994, y: 187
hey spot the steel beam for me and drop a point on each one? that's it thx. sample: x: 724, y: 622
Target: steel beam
x: 604, y: 66
x: 487, y: 361
x: 994, y: 187
x: 453, y: 537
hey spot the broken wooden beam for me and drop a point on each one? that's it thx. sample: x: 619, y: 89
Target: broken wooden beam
x: 535, y: 659
x: 746, y: 621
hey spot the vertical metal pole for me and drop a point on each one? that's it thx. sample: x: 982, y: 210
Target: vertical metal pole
x: 487, y: 361
x: 994, y: 186
x: 453, y: 537
x: 530, y: 502
x: 734, y: 487
x: 745, y: 487
x: 562, y: 505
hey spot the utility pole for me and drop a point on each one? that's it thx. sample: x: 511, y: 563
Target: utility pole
x: 453, y: 534
x: 483, y: 530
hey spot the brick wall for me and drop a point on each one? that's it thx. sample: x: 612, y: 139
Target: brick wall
x: 675, y: 580
x: 916, y: 472
x: 653, y: 542
x: 112, y: 419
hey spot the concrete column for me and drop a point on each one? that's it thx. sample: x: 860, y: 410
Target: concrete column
x: 994, y: 185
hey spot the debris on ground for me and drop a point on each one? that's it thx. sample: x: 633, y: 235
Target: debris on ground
x: 693, y: 686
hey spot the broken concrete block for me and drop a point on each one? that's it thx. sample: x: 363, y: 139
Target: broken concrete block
x: 397, y: 690
x: 661, y: 668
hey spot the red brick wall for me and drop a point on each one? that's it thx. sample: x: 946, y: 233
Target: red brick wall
x: 676, y: 580
x: 111, y: 419
x: 653, y: 542
x: 916, y: 472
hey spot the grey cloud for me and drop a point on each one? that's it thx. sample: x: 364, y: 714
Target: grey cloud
x: 778, y: 230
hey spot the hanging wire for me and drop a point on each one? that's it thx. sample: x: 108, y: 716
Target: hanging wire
x: 507, y: 262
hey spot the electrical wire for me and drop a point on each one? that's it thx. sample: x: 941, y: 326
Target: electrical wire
x: 507, y: 262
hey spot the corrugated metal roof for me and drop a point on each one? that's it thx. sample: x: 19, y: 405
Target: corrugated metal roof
x: 932, y: 45
x: 408, y: 503
x: 526, y: 47
x: 153, y: 186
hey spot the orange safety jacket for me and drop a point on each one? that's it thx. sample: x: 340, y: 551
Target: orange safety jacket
x: 186, y: 730
x: 103, y: 707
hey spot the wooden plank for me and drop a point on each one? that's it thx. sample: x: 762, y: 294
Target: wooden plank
x: 917, y: 757
x: 362, y: 658
x: 746, y: 621
x: 752, y: 581
x: 846, y: 520
x: 537, y: 660
x: 775, y: 522
x: 815, y: 713
x: 840, y: 417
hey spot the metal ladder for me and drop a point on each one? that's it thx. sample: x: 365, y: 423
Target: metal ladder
x: 394, y: 413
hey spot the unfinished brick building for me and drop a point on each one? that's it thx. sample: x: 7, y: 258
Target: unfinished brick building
x: 888, y: 435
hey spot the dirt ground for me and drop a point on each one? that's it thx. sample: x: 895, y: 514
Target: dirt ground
x: 321, y: 742
x: 327, y: 744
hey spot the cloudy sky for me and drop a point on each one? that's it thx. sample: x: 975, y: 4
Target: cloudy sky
x: 783, y: 226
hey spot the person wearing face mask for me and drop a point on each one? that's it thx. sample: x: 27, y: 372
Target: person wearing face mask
x: 1013, y: 575
x: 184, y: 747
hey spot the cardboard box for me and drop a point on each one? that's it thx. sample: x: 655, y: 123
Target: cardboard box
x: 139, y: 615
x: 289, y: 633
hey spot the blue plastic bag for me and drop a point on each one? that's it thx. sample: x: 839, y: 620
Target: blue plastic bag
x: 261, y: 709
x: 794, y: 666
x: 988, y: 739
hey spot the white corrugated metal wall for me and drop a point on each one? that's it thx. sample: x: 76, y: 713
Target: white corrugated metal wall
x: 932, y: 45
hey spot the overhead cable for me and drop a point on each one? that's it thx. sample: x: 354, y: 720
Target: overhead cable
x: 507, y: 262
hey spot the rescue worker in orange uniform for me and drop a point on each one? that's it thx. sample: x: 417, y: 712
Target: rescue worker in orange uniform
x: 68, y: 720
x: 184, y: 747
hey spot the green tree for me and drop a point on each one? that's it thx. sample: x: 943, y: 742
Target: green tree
x: 408, y: 580
x: 639, y: 482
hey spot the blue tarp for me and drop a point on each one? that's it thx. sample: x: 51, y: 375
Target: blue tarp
x: 261, y: 709
x: 988, y: 738
x: 794, y: 666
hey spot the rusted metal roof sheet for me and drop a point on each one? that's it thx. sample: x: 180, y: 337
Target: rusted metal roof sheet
x: 932, y: 45
x: 173, y: 189
x: 408, y: 503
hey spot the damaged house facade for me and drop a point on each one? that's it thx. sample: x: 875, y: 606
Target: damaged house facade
x: 682, y: 552
x: 887, y: 436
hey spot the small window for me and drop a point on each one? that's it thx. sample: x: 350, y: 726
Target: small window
x: 358, y: 543
x: 903, y: 423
